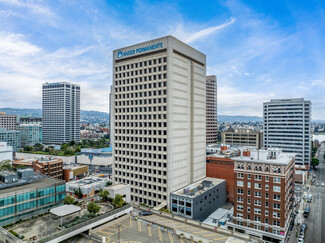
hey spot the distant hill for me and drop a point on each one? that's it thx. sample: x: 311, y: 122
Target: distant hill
x: 85, y: 116
x: 224, y: 118
x: 103, y: 117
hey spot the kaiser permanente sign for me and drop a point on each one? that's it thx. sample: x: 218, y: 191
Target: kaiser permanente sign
x: 139, y: 50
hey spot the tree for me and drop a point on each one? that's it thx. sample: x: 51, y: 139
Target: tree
x: 314, y: 161
x: 109, y: 183
x: 93, y: 208
x: 78, y: 192
x: 5, y: 165
x: 104, y: 194
x: 28, y: 148
x: 118, y: 201
x: 72, y: 143
x: 64, y: 146
x: 68, y: 200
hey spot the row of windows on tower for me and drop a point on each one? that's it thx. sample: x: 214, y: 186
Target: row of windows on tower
x: 142, y: 155
x: 142, y: 71
x: 140, y: 109
x: 141, y: 117
x: 141, y: 64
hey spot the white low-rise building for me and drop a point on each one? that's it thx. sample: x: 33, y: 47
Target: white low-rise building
x: 121, y: 189
x: 88, y: 185
x: 6, y: 152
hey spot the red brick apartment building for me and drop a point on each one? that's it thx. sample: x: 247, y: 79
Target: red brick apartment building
x: 46, y: 165
x: 264, y: 194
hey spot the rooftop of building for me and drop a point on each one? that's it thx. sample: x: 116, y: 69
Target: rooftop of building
x: 73, y: 167
x: 56, y: 83
x: 288, y: 100
x: 42, y: 181
x: 87, y: 181
x: 199, y: 187
x: 267, y: 156
x: 118, y: 186
x: 222, y: 150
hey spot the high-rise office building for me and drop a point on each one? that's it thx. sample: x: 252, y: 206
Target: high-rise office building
x: 158, y: 118
x: 287, y: 125
x: 61, y: 112
x: 8, y: 122
x: 211, y: 110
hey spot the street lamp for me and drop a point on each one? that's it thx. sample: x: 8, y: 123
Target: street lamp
x: 118, y: 228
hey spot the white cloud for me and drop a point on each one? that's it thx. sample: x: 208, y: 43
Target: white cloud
x: 208, y: 31
x: 33, y: 6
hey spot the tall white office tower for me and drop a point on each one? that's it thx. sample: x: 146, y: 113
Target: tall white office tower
x: 158, y: 118
x: 211, y: 110
x: 287, y: 125
x: 61, y: 112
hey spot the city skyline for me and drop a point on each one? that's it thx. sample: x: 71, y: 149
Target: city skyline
x: 244, y: 43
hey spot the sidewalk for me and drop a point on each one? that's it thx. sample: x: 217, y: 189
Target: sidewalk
x: 294, y: 234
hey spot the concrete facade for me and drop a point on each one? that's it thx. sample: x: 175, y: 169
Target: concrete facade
x: 211, y: 110
x: 159, y: 89
x: 6, y: 152
x: 198, y: 200
x: 287, y: 125
x: 121, y: 189
x: 61, y: 113
x: 243, y: 137
x: 8, y: 122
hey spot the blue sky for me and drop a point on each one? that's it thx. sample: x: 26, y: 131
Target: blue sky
x: 259, y: 50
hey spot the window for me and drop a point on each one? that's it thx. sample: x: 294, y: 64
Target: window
x: 276, y: 205
x: 258, y: 177
x: 240, y: 199
x: 257, y: 202
x: 277, y: 197
x: 266, y: 195
x: 258, y: 219
x: 257, y: 210
x: 266, y: 212
x: 248, y: 209
x: 248, y: 201
x: 248, y: 184
x: 240, y: 183
x: 276, y: 188
x: 240, y: 207
x: 240, y: 191
x: 240, y: 215
x: 276, y: 223
x: 258, y: 194
x: 240, y: 175
x: 276, y: 215
x: 266, y: 178
x: 267, y: 187
x: 249, y: 176
x: 257, y: 186
x: 276, y: 180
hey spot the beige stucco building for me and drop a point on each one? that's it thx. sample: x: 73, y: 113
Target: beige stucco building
x: 158, y: 118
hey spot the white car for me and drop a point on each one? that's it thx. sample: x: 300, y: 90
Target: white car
x: 323, y: 184
x: 300, y: 240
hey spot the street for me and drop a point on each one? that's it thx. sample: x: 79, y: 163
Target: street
x: 316, y: 220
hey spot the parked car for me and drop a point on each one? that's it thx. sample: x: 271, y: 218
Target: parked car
x: 145, y: 213
x: 323, y: 184
x: 298, y: 199
x: 300, y: 240
x: 313, y: 181
x: 306, y: 212
x: 314, y: 175
x: 317, y: 184
x: 303, y: 227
